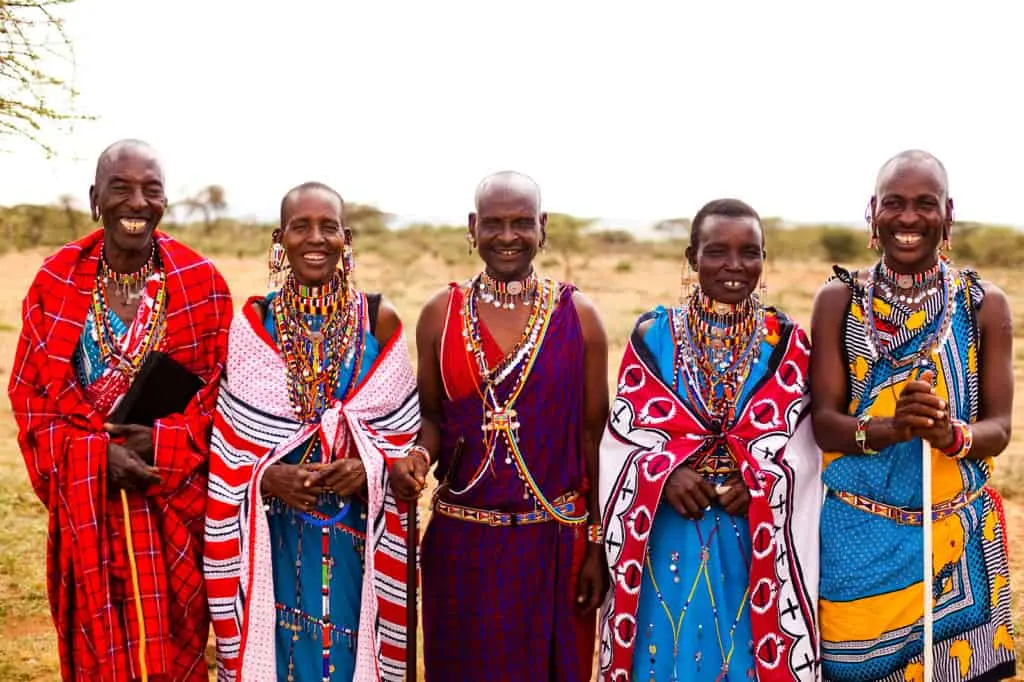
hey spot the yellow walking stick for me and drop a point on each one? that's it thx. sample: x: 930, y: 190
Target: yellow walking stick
x: 135, y: 586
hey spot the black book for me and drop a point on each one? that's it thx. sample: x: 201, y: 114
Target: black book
x: 162, y: 387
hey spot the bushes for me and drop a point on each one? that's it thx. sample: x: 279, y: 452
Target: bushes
x: 571, y: 242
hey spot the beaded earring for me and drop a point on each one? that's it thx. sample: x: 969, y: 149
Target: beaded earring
x: 762, y: 287
x: 470, y: 243
x: 348, y: 267
x: 686, y: 284
x: 276, y: 261
x: 870, y: 220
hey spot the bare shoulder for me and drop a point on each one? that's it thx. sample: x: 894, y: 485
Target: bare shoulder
x: 431, y: 319
x: 437, y: 302
x: 995, y: 309
x: 590, y: 317
x: 833, y: 291
x: 388, y: 321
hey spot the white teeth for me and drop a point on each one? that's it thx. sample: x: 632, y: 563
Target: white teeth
x: 733, y: 285
x: 908, y: 239
x: 133, y: 225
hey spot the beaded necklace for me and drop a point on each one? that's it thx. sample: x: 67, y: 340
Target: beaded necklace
x: 703, y: 572
x: 716, y: 345
x: 500, y: 420
x: 878, y: 346
x: 129, y: 359
x: 503, y: 294
x: 129, y: 285
x: 909, y: 289
x: 315, y: 356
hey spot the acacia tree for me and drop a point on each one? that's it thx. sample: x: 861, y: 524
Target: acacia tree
x: 32, y: 43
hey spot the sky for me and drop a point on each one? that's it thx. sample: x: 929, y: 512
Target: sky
x: 627, y: 112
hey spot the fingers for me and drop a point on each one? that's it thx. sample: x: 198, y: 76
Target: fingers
x: 693, y: 508
x: 115, y: 429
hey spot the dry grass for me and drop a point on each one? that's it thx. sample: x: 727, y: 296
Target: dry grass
x: 621, y: 289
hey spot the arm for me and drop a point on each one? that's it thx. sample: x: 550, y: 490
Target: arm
x: 428, y: 372
x: 181, y: 442
x: 592, y: 583
x: 834, y: 428
x: 51, y: 415
x: 409, y: 474
x: 992, y: 430
x: 595, y: 394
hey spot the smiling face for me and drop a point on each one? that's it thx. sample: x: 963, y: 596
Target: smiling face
x: 129, y: 197
x: 509, y: 229
x: 313, y: 234
x: 911, y: 214
x: 729, y: 257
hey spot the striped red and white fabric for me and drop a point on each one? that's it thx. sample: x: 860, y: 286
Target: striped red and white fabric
x: 62, y: 440
x: 254, y: 427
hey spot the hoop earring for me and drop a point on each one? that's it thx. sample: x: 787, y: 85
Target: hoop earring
x: 276, y: 262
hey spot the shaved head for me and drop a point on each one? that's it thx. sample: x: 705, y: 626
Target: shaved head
x: 913, y: 158
x: 112, y: 154
x: 508, y: 184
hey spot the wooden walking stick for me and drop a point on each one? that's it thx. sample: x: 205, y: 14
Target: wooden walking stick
x: 412, y: 582
x: 926, y: 522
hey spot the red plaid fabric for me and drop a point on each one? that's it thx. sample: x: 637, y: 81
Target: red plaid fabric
x: 64, y: 446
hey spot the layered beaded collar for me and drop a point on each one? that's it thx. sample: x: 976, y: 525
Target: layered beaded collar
x: 502, y: 294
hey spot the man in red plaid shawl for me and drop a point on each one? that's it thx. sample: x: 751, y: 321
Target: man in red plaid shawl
x: 124, y: 569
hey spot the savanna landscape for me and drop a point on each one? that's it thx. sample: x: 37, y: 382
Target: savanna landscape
x: 623, y: 275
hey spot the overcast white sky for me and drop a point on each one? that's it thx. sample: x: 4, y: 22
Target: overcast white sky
x: 629, y: 111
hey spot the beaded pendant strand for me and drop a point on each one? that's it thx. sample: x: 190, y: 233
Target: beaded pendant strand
x: 716, y: 345
x: 128, y: 361
x: 315, y: 356
x: 500, y: 421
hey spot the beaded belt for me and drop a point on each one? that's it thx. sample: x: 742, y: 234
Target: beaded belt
x: 566, y: 504
x: 902, y: 515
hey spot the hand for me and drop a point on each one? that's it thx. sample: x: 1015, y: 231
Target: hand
x: 127, y: 471
x: 734, y: 496
x: 344, y: 477
x: 138, y: 439
x: 409, y: 476
x: 296, y: 486
x: 921, y: 413
x: 688, y: 493
x: 592, y: 581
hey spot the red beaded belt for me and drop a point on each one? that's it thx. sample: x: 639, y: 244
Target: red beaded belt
x: 901, y: 515
x: 566, y: 504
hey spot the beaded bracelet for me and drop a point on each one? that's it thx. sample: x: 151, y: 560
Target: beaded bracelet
x: 594, y: 534
x: 861, y: 435
x: 963, y: 439
x: 422, y: 450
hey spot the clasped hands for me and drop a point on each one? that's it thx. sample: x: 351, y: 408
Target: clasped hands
x: 920, y: 413
x: 691, y: 494
x: 300, y: 485
x: 130, y: 457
